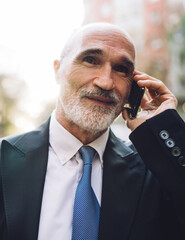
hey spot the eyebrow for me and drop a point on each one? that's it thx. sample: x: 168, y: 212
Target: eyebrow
x: 124, y: 60
x: 89, y: 52
x: 127, y: 61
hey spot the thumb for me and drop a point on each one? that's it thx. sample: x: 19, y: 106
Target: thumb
x: 125, y: 115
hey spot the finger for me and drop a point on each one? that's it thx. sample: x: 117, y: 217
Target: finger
x: 125, y: 115
x: 143, y: 76
x: 152, y: 93
x: 138, y: 72
x: 154, y: 86
x: 147, y: 95
x: 144, y: 101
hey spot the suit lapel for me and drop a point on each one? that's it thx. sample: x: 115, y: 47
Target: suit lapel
x: 123, y: 175
x: 24, y: 163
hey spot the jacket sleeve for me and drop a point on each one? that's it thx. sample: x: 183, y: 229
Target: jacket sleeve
x: 160, y: 142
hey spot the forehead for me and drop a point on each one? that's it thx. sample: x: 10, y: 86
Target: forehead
x: 111, y: 42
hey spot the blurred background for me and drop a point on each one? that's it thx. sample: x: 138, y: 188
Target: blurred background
x: 32, y: 34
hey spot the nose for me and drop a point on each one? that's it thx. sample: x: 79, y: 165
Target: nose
x: 104, y: 78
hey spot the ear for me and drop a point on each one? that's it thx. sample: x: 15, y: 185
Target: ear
x: 56, y: 66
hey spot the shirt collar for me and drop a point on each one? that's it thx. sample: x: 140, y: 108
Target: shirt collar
x: 65, y: 145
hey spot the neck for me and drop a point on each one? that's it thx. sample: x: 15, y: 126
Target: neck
x: 83, y: 135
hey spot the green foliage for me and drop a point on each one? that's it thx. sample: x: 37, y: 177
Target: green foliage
x: 182, y: 54
x: 10, y: 94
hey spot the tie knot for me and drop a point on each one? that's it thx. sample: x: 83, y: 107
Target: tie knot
x: 87, y: 153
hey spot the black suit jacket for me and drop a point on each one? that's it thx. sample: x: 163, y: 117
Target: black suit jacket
x: 142, y: 199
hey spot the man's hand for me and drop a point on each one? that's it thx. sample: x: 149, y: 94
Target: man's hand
x: 157, y: 99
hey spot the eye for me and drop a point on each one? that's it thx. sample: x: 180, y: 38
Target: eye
x: 90, y: 60
x: 121, y: 69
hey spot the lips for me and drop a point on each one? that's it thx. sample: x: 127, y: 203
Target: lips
x: 100, y: 96
x: 100, y: 99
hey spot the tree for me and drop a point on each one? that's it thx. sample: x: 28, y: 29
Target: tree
x: 12, y: 89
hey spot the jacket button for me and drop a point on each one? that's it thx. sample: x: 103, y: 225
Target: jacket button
x: 170, y: 143
x: 164, y: 135
x: 176, y: 152
x: 181, y: 161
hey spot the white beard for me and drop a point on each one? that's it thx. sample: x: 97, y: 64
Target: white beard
x: 91, y: 118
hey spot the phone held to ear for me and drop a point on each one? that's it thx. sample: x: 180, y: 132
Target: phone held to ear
x: 134, y: 99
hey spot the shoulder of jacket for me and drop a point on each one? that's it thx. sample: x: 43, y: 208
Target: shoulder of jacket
x: 130, y: 145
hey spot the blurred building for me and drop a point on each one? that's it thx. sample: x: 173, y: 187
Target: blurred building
x: 126, y: 14
x: 177, y: 49
x: 99, y: 11
x: 156, y: 60
x: 158, y: 32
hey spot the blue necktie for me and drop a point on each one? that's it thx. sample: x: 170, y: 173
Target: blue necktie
x: 86, y: 207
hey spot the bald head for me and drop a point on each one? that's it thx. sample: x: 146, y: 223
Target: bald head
x: 95, y: 29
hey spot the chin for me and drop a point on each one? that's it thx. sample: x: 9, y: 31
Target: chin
x: 91, y: 118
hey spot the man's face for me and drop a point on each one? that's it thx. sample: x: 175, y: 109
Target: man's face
x: 95, y: 79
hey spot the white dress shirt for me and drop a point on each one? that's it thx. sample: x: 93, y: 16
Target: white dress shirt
x: 64, y: 171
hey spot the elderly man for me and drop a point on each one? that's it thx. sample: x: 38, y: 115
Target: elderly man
x: 72, y: 178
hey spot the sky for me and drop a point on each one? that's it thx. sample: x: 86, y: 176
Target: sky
x: 32, y: 34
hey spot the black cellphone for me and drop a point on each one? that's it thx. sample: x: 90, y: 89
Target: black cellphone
x: 134, y: 100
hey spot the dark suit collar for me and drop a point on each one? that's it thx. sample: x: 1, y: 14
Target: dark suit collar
x: 31, y: 140
x: 118, y: 146
x: 23, y: 169
x: 123, y: 176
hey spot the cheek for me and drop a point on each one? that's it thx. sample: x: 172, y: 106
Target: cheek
x: 79, y: 77
x: 73, y: 80
x: 70, y: 79
x: 123, y: 86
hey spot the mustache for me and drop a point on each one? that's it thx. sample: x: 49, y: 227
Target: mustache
x: 112, y: 96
